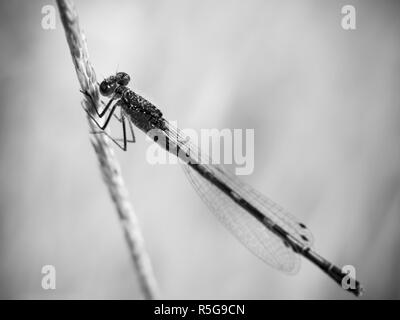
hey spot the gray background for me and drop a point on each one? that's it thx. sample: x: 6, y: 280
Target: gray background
x: 324, y: 104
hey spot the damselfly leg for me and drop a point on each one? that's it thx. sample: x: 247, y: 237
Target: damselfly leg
x: 121, y: 119
x: 124, y: 139
x: 102, y: 127
x: 94, y: 105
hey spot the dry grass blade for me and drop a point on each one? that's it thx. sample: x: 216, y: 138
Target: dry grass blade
x: 108, y: 163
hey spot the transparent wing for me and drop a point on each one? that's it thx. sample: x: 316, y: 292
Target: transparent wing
x: 248, y: 230
x: 251, y: 232
x: 269, y: 208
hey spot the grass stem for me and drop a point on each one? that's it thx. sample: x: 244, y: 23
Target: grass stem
x: 109, y: 165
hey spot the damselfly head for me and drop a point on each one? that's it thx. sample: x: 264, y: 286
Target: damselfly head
x: 110, y: 84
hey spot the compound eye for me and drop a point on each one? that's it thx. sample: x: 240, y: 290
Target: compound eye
x: 123, y: 78
x: 107, y: 88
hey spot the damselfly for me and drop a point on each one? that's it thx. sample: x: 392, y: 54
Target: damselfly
x: 264, y: 227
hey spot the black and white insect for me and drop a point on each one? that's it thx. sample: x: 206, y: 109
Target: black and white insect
x: 266, y: 229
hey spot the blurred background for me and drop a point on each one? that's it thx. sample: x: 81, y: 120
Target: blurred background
x: 324, y: 104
